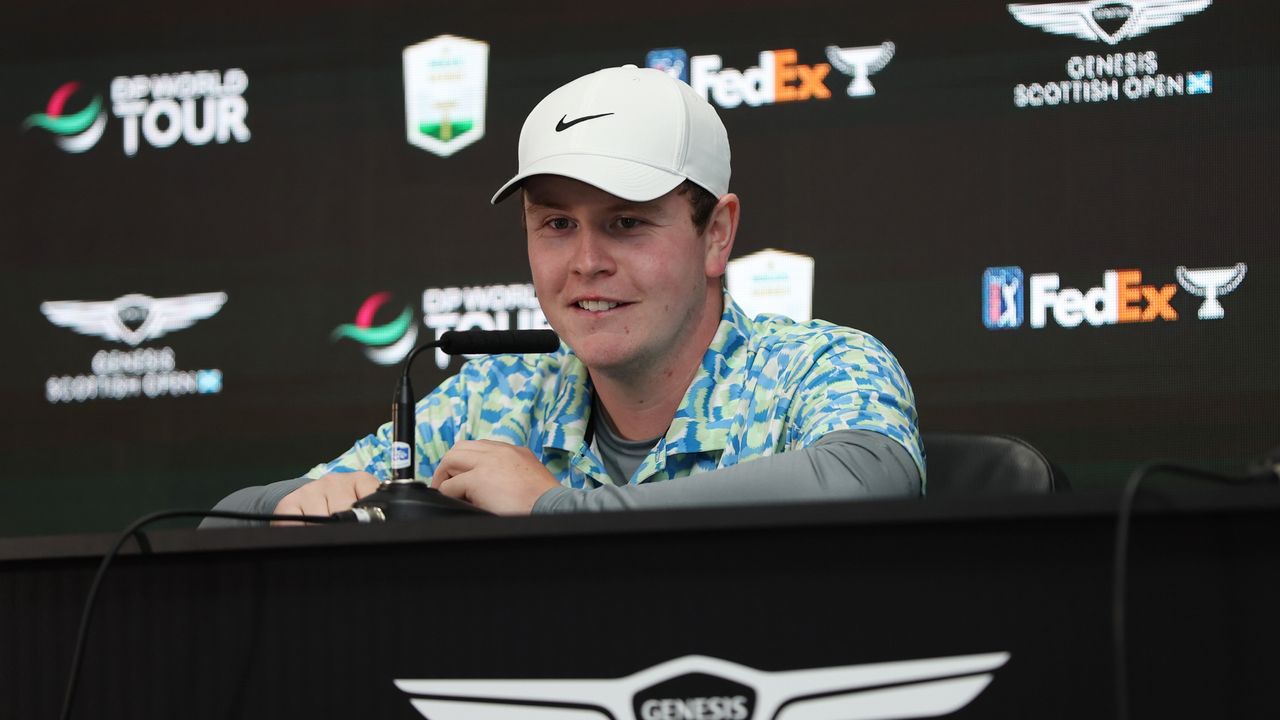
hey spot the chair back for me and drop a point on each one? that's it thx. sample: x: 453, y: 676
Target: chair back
x: 971, y: 464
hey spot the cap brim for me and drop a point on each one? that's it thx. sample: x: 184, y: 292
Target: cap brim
x: 626, y: 179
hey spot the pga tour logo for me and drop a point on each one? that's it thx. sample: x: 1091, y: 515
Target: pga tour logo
x: 697, y: 687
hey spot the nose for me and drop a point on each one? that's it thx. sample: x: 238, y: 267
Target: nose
x: 591, y: 254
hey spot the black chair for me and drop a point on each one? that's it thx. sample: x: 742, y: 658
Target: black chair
x: 960, y: 464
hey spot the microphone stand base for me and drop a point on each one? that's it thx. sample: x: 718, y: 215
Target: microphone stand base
x: 413, y: 500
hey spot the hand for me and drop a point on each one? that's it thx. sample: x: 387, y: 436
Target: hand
x: 332, y: 493
x: 493, y: 476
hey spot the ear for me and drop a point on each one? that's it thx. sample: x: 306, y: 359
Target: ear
x: 719, y: 235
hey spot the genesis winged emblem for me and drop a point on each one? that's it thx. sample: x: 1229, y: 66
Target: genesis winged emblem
x: 1081, y: 19
x: 1210, y: 284
x: 860, y: 62
x: 134, y: 318
x: 700, y: 686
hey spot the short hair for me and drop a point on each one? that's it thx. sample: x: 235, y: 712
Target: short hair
x: 703, y: 202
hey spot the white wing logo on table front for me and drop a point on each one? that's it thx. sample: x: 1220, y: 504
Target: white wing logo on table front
x: 134, y: 318
x: 1130, y: 18
x: 700, y: 686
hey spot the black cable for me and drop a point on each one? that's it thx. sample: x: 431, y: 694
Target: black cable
x: 77, y: 657
x: 1120, y: 562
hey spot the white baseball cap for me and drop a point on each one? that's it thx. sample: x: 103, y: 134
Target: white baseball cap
x: 633, y: 132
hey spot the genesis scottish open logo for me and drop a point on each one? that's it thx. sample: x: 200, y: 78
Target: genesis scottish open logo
x: 385, y: 344
x: 143, y: 371
x: 1131, y: 75
x: 1122, y: 298
x: 778, y: 76
x: 74, y: 132
x: 697, y: 687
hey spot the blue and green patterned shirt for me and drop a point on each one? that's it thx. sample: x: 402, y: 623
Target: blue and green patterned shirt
x: 766, y: 385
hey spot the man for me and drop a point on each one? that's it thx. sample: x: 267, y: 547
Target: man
x: 665, y: 389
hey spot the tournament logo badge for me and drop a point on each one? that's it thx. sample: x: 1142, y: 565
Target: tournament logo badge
x: 385, y: 344
x: 774, y: 282
x: 445, y: 84
x: 75, y: 132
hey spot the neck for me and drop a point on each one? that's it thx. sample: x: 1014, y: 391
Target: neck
x: 641, y: 404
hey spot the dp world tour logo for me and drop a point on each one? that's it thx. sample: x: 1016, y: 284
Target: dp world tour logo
x: 384, y: 344
x: 706, y: 688
x: 77, y: 131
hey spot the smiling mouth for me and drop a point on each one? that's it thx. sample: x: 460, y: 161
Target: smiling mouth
x: 599, y: 306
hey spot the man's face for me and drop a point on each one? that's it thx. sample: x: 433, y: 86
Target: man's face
x: 625, y: 284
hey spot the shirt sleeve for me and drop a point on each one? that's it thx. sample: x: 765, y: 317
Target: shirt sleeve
x: 262, y: 499
x: 843, y: 465
x: 855, y: 383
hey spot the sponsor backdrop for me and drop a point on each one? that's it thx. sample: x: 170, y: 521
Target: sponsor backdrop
x: 223, y: 229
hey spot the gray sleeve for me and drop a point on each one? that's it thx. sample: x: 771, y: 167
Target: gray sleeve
x: 261, y: 499
x: 843, y: 465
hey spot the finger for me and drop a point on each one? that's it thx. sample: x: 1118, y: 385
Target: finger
x: 459, y: 459
x: 365, y: 484
x: 454, y: 487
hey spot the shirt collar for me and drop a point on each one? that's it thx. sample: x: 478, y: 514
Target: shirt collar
x: 701, y: 421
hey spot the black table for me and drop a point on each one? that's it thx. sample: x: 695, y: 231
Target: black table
x: 691, y: 613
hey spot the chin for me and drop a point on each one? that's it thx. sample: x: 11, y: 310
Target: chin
x: 600, y: 353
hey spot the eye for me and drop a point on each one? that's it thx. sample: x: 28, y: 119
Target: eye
x: 559, y: 223
x: 629, y: 223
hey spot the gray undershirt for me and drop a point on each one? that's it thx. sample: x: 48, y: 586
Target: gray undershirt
x: 620, y: 456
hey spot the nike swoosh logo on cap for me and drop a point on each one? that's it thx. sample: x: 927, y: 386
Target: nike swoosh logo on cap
x: 562, y: 125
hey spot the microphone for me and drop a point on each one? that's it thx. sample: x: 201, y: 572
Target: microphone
x: 495, y: 342
x: 403, y: 497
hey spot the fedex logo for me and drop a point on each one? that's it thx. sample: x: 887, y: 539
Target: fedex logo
x: 778, y: 78
x: 1121, y: 299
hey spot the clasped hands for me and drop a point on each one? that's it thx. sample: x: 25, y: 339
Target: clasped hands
x: 494, y: 476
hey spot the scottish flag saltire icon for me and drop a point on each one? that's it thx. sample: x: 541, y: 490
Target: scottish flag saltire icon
x: 1200, y: 83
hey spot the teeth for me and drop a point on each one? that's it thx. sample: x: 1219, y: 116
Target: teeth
x: 597, y: 305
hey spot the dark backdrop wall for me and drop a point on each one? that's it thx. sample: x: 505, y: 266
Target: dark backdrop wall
x: 214, y: 220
